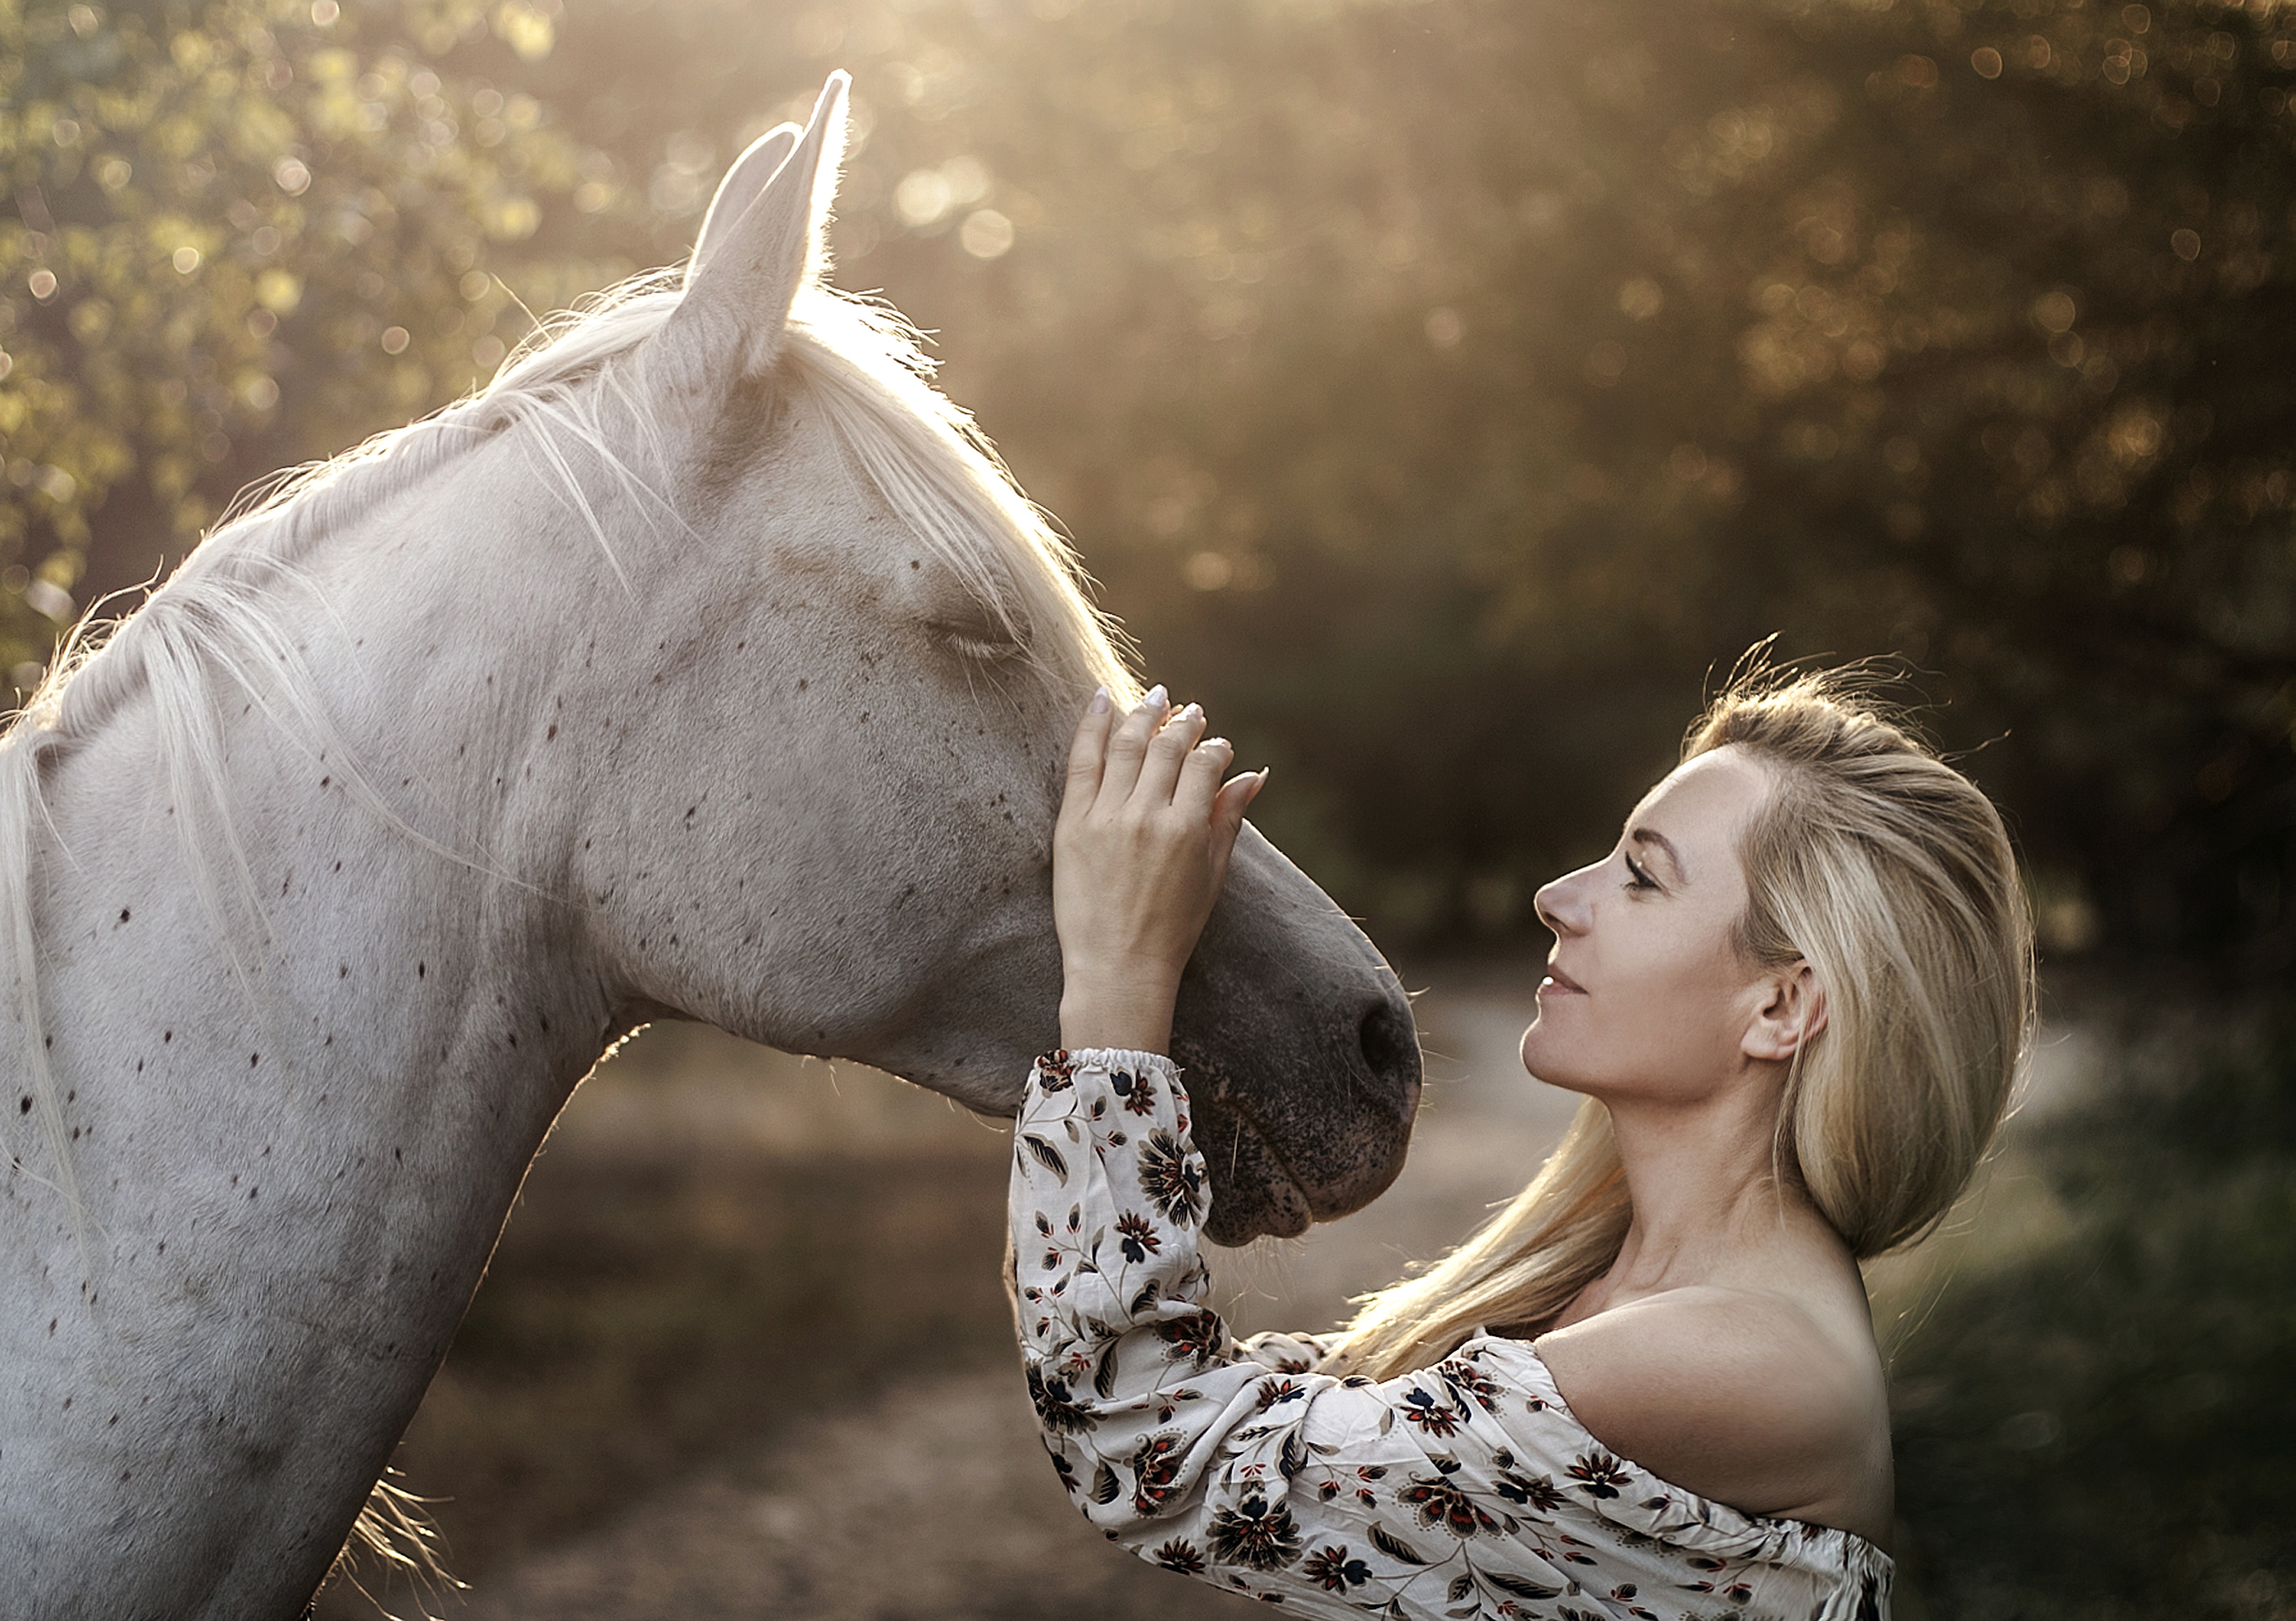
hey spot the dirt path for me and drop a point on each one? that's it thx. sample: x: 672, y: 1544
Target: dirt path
x: 935, y: 1503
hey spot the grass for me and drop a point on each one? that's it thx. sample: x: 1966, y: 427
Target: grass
x: 2106, y: 1427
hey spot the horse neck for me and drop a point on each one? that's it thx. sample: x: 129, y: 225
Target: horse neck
x: 295, y: 1118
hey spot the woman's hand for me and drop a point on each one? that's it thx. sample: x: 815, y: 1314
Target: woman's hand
x: 1138, y: 856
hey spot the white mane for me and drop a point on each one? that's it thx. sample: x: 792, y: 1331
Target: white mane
x: 216, y: 629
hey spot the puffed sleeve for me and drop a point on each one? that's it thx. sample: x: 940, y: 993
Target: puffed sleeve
x: 1236, y: 1462
x: 1466, y: 1489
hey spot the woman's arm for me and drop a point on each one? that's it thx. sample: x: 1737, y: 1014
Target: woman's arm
x: 1249, y: 1469
x: 1465, y: 1484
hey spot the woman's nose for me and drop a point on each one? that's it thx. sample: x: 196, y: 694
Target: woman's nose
x: 1562, y: 904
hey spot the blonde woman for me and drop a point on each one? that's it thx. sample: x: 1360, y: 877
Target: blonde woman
x: 1793, y: 996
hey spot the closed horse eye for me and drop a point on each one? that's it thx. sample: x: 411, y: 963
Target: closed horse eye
x: 986, y: 644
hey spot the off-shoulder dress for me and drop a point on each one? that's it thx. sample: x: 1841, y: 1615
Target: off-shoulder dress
x: 1464, y: 1490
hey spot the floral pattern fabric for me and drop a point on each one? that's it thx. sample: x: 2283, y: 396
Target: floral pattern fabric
x: 1464, y: 1490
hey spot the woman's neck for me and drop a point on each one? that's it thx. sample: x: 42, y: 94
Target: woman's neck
x: 1709, y: 1204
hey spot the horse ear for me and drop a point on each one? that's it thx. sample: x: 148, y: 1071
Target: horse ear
x: 762, y: 242
x: 739, y: 188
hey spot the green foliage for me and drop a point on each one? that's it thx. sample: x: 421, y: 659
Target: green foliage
x: 245, y: 238
x: 2106, y: 1430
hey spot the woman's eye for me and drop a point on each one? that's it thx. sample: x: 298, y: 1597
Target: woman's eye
x: 1641, y: 880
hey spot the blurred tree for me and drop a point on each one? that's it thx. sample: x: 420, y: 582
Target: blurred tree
x: 1442, y: 389
x: 248, y: 233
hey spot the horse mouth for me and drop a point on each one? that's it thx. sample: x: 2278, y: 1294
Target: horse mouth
x: 1257, y: 1192
x: 1254, y: 1192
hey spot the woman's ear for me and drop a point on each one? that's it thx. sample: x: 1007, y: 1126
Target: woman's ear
x: 1792, y: 1012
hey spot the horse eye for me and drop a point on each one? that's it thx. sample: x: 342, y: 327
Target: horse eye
x: 983, y: 642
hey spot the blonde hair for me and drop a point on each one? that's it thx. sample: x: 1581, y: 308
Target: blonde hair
x: 1891, y: 874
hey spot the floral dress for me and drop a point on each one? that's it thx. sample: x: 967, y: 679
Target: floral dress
x: 1464, y: 1490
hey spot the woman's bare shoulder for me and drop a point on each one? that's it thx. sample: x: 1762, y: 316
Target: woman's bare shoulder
x: 1750, y: 1398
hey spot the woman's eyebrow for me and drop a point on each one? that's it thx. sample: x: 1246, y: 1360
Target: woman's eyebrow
x: 1645, y: 835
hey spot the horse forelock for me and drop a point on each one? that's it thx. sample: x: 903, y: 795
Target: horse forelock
x: 925, y: 454
x: 929, y: 461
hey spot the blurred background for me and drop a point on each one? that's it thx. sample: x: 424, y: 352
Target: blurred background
x: 1443, y: 392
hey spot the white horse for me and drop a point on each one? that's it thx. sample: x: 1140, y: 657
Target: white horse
x: 706, y: 666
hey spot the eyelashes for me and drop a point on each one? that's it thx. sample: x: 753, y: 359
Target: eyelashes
x: 1641, y: 880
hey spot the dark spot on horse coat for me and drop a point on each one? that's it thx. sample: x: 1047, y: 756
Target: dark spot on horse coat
x: 421, y: 970
x: 548, y: 735
x: 123, y: 914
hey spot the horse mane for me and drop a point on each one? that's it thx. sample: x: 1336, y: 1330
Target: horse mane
x: 215, y: 624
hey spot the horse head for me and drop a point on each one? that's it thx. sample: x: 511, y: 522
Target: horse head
x: 833, y: 833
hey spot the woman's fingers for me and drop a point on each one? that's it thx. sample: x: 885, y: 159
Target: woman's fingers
x: 1127, y: 746
x: 1200, y: 777
x: 1087, y: 755
x: 1150, y: 758
x: 1168, y: 751
x: 1228, y: 805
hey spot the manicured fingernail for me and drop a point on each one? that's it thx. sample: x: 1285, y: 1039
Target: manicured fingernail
x: 1216, y: 742
x: 1100, y: 700
x: 1156, y: 700
x: 1190, y: 713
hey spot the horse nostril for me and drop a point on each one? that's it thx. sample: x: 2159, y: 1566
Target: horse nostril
x: 1391, y: 1045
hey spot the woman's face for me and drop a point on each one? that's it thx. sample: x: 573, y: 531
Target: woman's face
x: 1647, y: 994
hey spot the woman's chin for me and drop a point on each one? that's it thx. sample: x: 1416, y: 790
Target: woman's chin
x: 1545, y: 1063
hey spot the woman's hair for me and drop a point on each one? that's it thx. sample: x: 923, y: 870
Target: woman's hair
x: 1891, y: 875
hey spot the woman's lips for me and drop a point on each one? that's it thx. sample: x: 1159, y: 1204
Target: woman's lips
x: 1560, y: 984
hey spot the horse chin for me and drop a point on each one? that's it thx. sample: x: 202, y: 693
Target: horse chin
x: 1253, y: 1194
